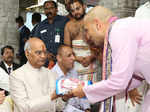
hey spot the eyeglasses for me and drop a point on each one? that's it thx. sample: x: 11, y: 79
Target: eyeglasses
x: 39, y: 53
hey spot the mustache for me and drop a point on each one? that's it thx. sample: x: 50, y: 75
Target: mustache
x: 42, y: 60
x: 79, y: 18
x: 92, y: 44
x: 49, y: 14
x: 10, y: 57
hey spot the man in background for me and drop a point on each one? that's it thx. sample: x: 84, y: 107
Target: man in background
x: 67, y: 7
x: 51, y: 30
x: 36, y: 19
x: 64, y: 69
x: 7, y: 62
x: 85, y: 63
x: 73, y: 37
x: 24, y: 34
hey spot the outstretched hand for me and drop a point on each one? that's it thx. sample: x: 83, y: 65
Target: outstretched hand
x: 135, y: 96
x: 64, y: 97
x: 54, y: 95
x: 85, y: 61
x: 78, y: 92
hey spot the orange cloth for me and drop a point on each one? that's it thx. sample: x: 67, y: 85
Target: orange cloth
x: 51, y: 64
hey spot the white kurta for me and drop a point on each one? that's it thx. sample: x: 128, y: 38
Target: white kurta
x: 80, y: 48
x: 4, y: 80
x: 31, y: 89
x: 4, y: 84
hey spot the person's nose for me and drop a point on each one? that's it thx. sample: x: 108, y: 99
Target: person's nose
x: 49, y: 11
x: 87, y: 37
x: 43, y: 55
x: 73, y: 57
x: 75, y: 11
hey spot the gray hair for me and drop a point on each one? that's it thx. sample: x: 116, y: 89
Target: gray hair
x: 27, y: 46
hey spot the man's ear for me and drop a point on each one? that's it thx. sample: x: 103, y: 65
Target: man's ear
x: 57, y: 10
x: 27, y: 53
x: 84, y: 6
x: 58, y: 58
x: 98, y: 24
x: 2, y: 57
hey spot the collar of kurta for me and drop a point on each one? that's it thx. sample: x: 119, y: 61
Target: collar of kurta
x: 32, y: 68
x: 61, y: 73
x: 106, y: 50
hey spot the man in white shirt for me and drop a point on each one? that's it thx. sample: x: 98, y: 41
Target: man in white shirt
x: 64, y: 69
x: 31, y: 85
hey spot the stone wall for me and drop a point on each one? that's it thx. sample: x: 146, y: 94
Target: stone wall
x: 122, y: 8
x: 8, y: 13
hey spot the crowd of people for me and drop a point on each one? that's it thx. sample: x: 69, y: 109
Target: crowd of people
x: 84, y: 46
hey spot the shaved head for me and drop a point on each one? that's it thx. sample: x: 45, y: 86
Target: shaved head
x: 99, y: 12
x: 61, y: 49
x: 96, y: 24
x: 65, y: 58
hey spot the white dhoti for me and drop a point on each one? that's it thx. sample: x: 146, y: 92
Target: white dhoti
x: 80, y: 48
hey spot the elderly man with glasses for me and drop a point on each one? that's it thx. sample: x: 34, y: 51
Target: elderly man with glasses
x: 32, y: 84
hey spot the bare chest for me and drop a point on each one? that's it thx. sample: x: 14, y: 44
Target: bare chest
x: 76, y: 31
